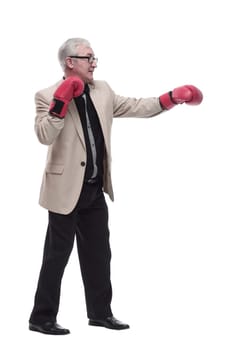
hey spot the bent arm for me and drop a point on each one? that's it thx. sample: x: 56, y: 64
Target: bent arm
x: 47, y: 127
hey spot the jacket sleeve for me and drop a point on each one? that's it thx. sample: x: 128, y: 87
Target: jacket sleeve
x: 47, y: 127
x: 139, y: 108
x: 133, y: 107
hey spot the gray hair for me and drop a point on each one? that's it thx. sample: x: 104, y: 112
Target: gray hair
x: 69, y: 47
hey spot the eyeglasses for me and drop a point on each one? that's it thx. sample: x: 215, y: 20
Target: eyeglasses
x: 90, y: 59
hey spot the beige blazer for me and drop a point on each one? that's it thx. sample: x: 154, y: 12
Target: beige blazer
x: 65, y: 166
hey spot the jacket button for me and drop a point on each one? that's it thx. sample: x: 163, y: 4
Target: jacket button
x: 83, y: 163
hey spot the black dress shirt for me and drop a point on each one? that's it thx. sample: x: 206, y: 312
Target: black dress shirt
x: 93, y: 135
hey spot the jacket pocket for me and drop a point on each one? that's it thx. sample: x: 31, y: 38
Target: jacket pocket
x: 52, y: 168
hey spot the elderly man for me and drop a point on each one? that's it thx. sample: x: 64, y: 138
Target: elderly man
x: 74, y: 118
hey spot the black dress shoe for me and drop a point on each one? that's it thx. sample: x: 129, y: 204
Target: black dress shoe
x: 109, y: 322
x: 48, y: 328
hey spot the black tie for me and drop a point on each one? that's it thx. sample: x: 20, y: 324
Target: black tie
x: 86, y: 98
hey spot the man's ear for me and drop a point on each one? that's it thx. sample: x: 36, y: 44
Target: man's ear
x: 69, y: 63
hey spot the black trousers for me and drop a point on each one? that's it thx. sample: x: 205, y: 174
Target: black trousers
x: 88, y: 222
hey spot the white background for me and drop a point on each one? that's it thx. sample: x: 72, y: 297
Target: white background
x: 171, y: 222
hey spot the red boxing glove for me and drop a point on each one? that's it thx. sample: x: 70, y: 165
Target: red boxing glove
x: 184, y: 94
x: 69, y: 88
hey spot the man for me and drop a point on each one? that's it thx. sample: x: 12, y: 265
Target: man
x: 74, y: 118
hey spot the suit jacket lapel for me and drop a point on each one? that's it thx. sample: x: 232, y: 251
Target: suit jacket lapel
x: 96, y: 99
x: 72, y: 110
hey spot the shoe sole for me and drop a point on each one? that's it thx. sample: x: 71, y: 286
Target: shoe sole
x: 97, y: 324
x: 35, y: 329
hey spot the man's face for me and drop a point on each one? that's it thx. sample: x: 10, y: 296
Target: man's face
x: 82, y: 67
